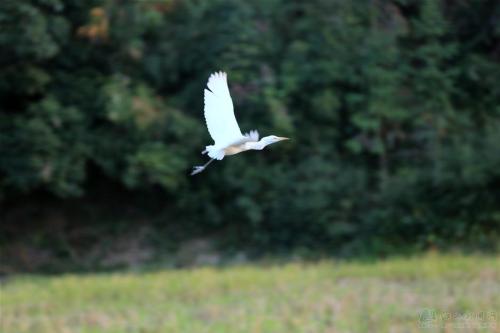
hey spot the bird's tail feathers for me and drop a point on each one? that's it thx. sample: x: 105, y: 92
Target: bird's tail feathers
x: 214, y: 152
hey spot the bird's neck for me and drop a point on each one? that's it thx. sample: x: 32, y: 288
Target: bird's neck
x: 258, y: 145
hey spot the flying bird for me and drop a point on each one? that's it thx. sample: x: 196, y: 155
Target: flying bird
x: 223, y: 127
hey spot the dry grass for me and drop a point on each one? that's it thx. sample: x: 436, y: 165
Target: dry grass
x: 449, y: 293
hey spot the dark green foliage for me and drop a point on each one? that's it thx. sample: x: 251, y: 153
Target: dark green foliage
x: 393, y: 107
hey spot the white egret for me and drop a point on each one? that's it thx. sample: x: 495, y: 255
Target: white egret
x: 223, y: 127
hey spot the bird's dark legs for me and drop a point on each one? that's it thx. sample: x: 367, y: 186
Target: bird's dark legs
x: 198, y: 169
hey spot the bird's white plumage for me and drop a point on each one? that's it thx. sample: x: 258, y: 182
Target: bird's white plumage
x: 223, y: 127
x: 219, y: 112
x: 252, y: 135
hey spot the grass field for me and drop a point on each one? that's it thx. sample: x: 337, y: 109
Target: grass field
x: 433, y: 293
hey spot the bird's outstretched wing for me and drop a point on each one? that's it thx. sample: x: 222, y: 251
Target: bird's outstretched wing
x: 219, y: 112
x: 252, y: 135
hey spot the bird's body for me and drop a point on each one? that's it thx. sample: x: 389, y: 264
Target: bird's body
x: 235, y: 149
x: 223, y: 127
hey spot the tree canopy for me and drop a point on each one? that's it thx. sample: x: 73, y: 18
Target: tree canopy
x: 393, y: 107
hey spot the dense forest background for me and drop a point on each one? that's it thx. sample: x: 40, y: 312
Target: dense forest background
x: 393, y: 107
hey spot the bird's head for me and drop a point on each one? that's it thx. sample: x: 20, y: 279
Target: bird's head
x: 267, y: 140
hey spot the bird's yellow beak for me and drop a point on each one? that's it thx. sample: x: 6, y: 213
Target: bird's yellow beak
x: 281, y: 138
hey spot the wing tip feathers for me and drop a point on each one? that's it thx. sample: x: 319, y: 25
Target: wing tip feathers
x: 216, y: 76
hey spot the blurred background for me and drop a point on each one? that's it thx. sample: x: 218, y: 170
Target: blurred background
x: 393, y: 107
x: 382, y: 214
